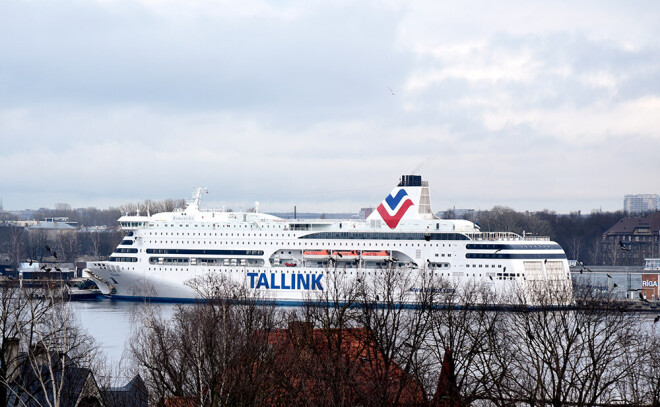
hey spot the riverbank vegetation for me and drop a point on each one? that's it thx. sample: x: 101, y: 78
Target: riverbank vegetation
x: 356, y: 345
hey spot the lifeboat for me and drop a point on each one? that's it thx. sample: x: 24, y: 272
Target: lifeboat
x: 349, y: 255
x: 376, y: 256
x: 316, y: 254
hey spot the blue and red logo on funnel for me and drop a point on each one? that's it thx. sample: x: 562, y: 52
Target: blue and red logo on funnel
x: 402, y: 201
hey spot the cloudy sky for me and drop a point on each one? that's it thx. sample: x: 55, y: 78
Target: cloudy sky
x: 531, y: 105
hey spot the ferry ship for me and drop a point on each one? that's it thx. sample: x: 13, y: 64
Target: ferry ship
x: 290, y: 261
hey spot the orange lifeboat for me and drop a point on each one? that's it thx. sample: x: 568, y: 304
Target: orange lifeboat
x: 316, y: 254
x: 376, y: 256
x: 346, y: 255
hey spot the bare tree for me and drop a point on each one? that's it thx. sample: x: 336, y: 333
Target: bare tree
x: 37, y: 241
x: 63, y: 208
x: 394, y: 306
x: 209, y: 352
x: 128, y: 208
x: 641, y: 361
x: 595, y: 252
x: 535, y: 225
x: 67, y: 245
x: 575, y: 247
x: 569, y: 356
x: 95, y: 240
x: 313, y: 363
x: 17, y: 244
x: 463, y: 333
x: 42, y: 347
x: 152, y: 207
x: 612, y: 253
x: 16, y: 317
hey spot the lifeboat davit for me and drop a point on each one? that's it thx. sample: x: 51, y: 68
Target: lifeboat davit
x: 316, y: 254
x: 345, y: 255
x: 376, y: 256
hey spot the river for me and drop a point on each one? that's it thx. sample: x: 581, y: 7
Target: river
x: 111, y: 323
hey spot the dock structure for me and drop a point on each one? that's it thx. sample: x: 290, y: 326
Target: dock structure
x: 629, y: 282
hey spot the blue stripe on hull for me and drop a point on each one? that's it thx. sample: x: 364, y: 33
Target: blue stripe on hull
x: 301, y: 303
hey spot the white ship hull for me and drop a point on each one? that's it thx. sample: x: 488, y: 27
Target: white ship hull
x: 284, y: 286
x: 290, y: 262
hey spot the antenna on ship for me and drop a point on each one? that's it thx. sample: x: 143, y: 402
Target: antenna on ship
x: 197, y: 195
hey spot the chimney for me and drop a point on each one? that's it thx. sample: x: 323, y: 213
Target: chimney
x: 39, y: 354
x: 10, y: 348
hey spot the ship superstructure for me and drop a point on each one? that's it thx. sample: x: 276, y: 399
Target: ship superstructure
x: 288, y: 261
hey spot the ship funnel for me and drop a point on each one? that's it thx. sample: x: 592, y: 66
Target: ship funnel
x: 409, y: 200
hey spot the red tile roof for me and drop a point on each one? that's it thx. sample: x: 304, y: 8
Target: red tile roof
x: 328, y: 367
x: 340, y: 359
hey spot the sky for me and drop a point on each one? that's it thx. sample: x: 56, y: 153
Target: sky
x: 325, y: 104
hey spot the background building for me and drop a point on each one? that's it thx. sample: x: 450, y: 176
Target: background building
x: 631, y: 240
x: 640, y: 203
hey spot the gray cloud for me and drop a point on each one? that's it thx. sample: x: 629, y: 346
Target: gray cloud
x: 114, y: 101
x: 333, y: 60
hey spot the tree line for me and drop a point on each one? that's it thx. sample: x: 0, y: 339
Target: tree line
x: 19, y: 244
x: 92, y: 216
x: 81, y: 244
x: 358, y: 344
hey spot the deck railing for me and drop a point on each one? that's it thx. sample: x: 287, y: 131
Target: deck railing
x: 504, y: 236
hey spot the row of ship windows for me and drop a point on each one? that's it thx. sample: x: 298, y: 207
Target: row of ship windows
x: 328, y: 244
x: 216, y: 234
x: 126, y: 250
x: 515, y: 256
x: 214, y: 225
x: 226, y: 261
x: 154, y: 260
x: 491, y: 246
x: 236, y: 252
x: 484, y: 265
x: 124, y: 259
x: 329, y: 271
x: 468, y: 255
x: 385, y: 236
x: 207, y: 251
x: 334, y: 235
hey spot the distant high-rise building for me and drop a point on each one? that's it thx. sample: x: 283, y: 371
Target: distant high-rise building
x: 640, y: 203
